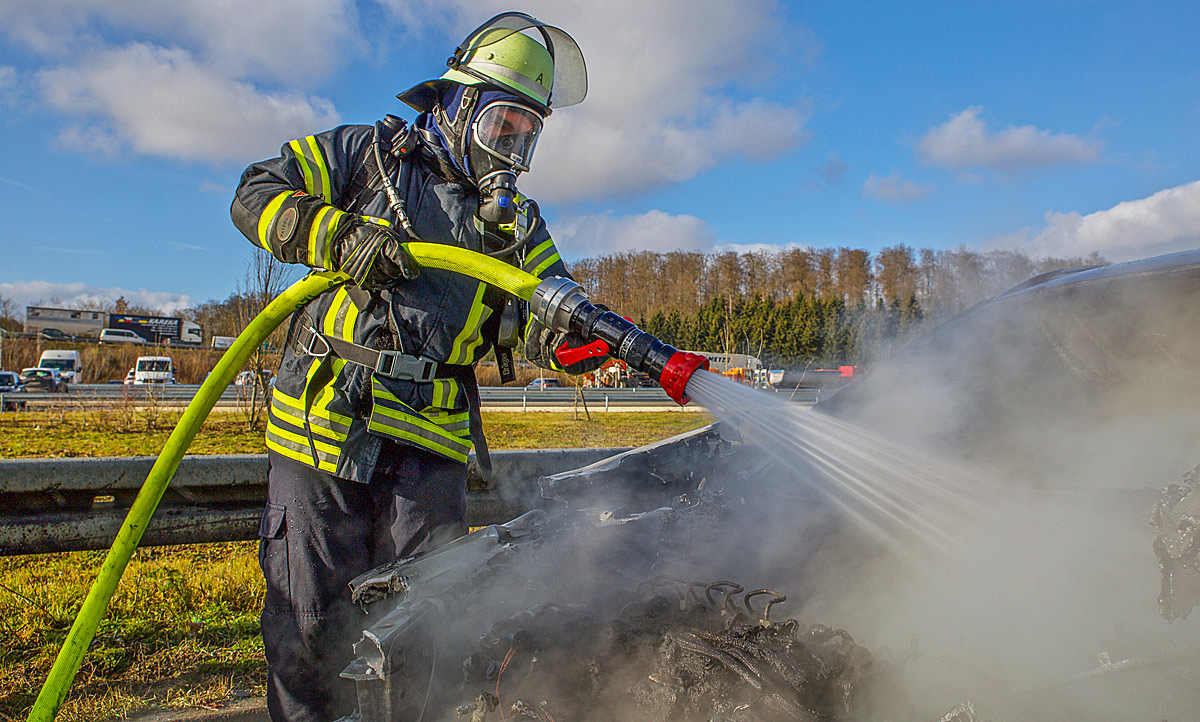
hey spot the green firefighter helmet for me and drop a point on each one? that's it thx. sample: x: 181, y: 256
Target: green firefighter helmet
x: 549, y: 73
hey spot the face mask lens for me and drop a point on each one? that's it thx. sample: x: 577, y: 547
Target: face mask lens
x: 509, y: 132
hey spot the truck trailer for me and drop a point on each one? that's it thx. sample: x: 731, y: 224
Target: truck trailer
x: 89, y: 324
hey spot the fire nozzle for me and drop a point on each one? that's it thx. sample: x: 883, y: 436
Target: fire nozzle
x: 562, y: 305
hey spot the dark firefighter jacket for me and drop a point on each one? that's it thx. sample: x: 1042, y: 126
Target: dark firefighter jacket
x: 332, y: 414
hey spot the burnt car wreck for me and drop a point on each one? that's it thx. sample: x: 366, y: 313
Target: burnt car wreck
x: 619, y: 600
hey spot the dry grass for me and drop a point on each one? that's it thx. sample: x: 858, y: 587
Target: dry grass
x: 182, y: 630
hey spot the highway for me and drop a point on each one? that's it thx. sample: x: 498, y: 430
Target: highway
x: 494, y: 398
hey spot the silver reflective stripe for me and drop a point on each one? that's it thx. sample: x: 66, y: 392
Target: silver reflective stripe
x: 326, y: 427
x: 393, y: 417
x: 283, y: 437
x: 542, y: 253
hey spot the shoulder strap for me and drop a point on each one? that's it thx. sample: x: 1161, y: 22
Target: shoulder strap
x: 395, y: 135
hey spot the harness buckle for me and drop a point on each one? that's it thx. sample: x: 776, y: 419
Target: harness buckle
x: 396, y: 365
x: 306, y: 347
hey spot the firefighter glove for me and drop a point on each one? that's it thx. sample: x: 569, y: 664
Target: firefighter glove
x: 541, y: 342
x: 373, y: 255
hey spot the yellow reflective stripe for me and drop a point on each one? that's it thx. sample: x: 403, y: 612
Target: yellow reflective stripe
x: 279, y: 441
x: 457, y: 423
x: 541, y: 267
x: 318, y: 424
x: 455, y: 451
x: 415, y: 422
x: 341, y: 420
x: 288, y: 451
x: 319, y: 158
x: 320, y: 236
x: 471, y: 336
x: 379, y: 221
x: 445, y: 393
x: 268, y: 215
x: 312, y: 164
x: 324, y: 448
x: 393, y: 417
x: 539, y: 249
x: 302, y: 161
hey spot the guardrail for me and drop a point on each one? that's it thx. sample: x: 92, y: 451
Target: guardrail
x: 493, y: 397
x: 52, y: 505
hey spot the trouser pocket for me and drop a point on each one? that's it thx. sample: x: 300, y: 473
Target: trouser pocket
x: 273, y: 558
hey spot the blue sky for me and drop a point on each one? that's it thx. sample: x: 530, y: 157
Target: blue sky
x: 1058, y: 128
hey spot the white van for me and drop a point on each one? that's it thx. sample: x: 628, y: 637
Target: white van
x: 154, y: 370
x: 67, y: 363
x: 120, y: 335
x: 223, y: 341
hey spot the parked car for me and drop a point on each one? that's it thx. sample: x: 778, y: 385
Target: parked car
x: 154, y: 370
x: 67, y: 363
x: 53, y: 334
x: 539, y: 384
x: 10, y: 384
x: 120, y: 335
x: 37, y: 378
x: 246, y: 378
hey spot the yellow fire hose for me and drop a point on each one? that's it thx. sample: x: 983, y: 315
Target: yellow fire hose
x: 83, y: 630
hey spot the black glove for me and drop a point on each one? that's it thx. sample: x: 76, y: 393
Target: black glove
x: 541, y: 342
x: 372, y: 254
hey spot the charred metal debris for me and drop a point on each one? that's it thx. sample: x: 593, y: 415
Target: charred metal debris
x: 1176, y: 519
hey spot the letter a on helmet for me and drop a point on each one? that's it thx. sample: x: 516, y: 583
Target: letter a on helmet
x: 548, y: 72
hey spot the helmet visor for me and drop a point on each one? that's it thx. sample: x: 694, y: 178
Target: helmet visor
x: 570, y: 73
x: 509, y: 132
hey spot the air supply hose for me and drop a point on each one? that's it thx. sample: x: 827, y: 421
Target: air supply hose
x: 429, y: 255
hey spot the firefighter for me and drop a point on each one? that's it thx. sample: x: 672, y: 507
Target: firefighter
x: 375, y: 405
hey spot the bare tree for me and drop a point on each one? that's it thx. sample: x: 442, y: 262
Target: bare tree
x: 265, y: 278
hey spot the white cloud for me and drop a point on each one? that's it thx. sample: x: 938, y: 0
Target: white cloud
x: 278, y: 40
x: 663, y: 78
x: 892, y: 188
x: 28, y: 293
x: 965, y: 142
x: 742, y: 248
x: 595, y: 235
x: 162, y: 102
x: 676, y: 86
x: 1165, y: 222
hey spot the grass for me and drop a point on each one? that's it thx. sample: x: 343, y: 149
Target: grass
x: 29, y: 435
x: 182, y: 630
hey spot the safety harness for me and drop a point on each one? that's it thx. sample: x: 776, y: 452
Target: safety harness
x: 392, y: 140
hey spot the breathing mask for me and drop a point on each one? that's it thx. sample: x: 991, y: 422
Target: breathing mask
x: 503, y: 137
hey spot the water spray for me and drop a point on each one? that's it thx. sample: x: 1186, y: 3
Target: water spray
x: 563, y: 305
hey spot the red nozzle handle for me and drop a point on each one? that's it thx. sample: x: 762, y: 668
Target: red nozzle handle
x: 568, y: 356
x: 676, y: 373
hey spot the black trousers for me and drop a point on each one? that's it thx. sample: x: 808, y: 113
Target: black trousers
x: 318, y: 532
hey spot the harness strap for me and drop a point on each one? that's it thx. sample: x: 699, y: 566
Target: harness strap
x: 392, y: 364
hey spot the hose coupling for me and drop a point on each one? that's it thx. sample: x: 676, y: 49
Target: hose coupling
x: 555, y: 301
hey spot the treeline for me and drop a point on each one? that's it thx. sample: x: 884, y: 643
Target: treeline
x: 797, y: 306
